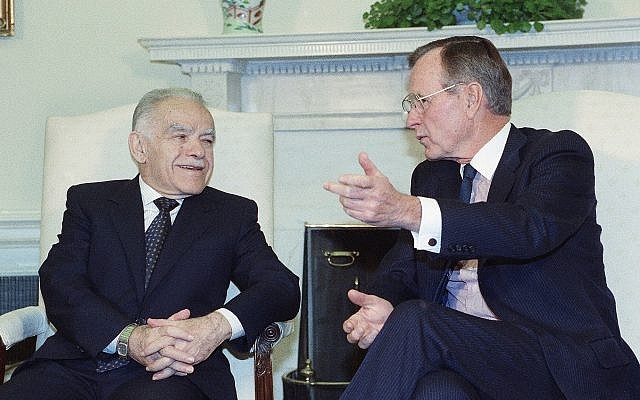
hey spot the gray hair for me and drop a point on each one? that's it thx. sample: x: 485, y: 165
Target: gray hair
x: 472, y: 58
x: 149, y: 102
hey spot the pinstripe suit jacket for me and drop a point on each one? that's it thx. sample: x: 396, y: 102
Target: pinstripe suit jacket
x: 540, y: 257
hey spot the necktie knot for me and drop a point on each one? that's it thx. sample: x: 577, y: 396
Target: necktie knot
x: 165, y: 204
x: 468, y: 172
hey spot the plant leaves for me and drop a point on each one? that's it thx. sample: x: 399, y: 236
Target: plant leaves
x: 502, y: 15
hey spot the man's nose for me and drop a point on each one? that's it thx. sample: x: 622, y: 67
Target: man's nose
x: 414, y: 119
x: 195, y: 148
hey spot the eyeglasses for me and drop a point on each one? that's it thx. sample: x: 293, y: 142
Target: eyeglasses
x: 412, y: 100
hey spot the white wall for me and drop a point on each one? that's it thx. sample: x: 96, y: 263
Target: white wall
x: 74, y: 57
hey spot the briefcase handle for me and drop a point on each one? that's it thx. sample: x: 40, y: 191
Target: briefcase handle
x: 341, y: 258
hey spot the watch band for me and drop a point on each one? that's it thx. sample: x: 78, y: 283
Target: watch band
x: 122, y: 347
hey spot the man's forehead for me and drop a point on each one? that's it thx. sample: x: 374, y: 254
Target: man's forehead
x: 177, y: 110
x: 427, y: 71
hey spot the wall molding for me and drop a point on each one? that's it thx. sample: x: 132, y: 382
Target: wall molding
x: 561, y: 42
x: 19, y: 229
x: 566, y: 56
x: 337, y: 121
x: 19, y: 243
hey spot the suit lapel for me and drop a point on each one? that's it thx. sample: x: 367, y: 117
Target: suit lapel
x: 449, y: 186
x: 504, y: 177
x: 441, y: 180
x: 193, y: 219
x: 128, y: 218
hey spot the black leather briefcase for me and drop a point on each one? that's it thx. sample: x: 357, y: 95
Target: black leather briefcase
x: 336, y: 258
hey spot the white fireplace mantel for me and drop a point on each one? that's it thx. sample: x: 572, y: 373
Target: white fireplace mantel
x: 218, y: 64
x: 556, y: 34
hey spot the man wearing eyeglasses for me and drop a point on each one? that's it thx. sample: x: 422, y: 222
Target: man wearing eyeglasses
x: 496, y: 286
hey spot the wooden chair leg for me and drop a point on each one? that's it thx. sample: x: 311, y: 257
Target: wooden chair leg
x: 263, y: 376
x: 263, y: 372
x: 3, y: 360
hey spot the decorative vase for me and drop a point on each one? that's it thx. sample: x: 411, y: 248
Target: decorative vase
x: 242, y: 16
x: 462, y: 16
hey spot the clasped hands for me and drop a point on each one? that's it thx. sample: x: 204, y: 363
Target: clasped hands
x: 173, y: 346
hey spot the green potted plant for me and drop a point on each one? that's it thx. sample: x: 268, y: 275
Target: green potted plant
x: 501, y: 15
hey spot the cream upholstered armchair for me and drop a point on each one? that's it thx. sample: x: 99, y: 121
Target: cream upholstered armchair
x: 609, y: 123
x: 94, y: 147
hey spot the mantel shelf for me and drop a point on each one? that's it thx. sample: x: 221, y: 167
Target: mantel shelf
x: 222, y: 67
x: 385, y: 42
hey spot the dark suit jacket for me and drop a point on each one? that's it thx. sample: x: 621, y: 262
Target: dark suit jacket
x: 540, y: 257
x: 93, y: 279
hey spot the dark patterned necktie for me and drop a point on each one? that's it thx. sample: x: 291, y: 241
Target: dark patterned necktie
x: 468, y: 173
x: 109, y: 362
x: 154, y: 239
x: 156, y: 233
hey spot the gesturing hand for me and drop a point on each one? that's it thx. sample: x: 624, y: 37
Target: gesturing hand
x: 363, y: 326
x: 372, y: 199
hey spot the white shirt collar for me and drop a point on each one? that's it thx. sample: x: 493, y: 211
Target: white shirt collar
x: 487, y: 158
x: 149, y: 194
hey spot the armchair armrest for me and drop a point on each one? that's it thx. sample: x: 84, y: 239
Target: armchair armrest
x: 18, y: 325
x: 23, y: 323
x: 263, y: 373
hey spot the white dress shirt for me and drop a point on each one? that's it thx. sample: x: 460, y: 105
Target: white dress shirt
x: 463, y: 292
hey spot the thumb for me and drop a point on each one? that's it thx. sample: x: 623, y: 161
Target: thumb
x: 180, y: 315
x: 367, y: 165
x: 356, y: 297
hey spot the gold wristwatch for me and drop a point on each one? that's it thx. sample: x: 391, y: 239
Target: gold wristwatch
x: 122, y: 348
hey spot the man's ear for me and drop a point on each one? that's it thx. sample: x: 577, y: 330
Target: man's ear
x: 473, y: 98
x: 137, y: 147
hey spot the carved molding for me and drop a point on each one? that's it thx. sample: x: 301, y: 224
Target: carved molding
x: 561, y: 42
x: 630, y: 52
x: 324, y: 66
x: 531, y: 81
x: 394, y: 63
x: 203, y: 67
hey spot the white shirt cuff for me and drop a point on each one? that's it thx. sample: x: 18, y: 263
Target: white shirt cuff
x: 428, y: 238
x: 111, y: 348
x: 237, y: 329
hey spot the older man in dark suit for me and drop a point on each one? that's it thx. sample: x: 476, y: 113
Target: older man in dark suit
x: 502, y: 298
x: 136, y: 285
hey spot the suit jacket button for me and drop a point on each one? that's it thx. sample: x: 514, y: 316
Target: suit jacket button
x: 458, y: 247
x: 432, y: 242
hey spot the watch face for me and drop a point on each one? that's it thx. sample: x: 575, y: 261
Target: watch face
x: 122, y: 349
